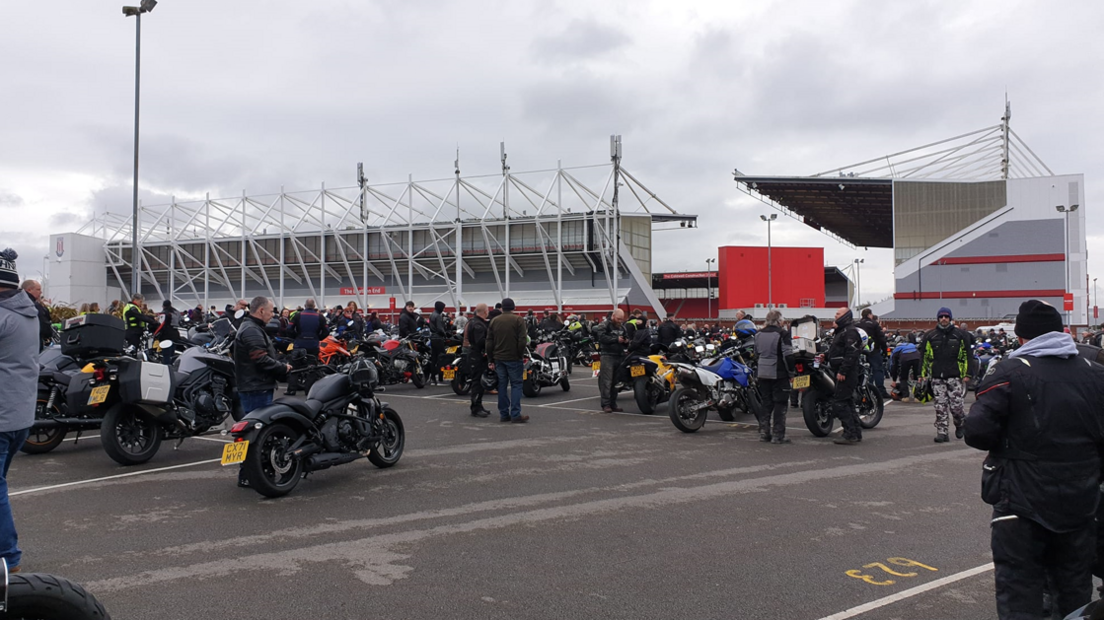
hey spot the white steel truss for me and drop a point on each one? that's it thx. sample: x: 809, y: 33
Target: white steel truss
x: 423, y: 238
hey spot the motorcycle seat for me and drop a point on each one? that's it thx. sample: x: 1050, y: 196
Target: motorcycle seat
x: 308, y: 408
x: 715, y: 368
x: 61, y: 378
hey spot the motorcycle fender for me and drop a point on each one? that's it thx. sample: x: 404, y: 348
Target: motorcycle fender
x: 278, y: 413
x: 707, y: 378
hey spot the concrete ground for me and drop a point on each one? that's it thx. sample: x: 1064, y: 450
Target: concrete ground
x: 577, y: 514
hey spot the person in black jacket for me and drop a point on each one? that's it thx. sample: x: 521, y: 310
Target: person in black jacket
x: 408, y: 321
x: 309, y: 328
x: 45, y: 327
x: 876, y: 357
x: 843, y: 358
x: 256, y: 368
x: 438, y: 332
x: 669, y: 332
x: 613, y: 337
x: 1040, y: 415
x: 475, y: 341
x: 949, y: 361
x: 774, y: 352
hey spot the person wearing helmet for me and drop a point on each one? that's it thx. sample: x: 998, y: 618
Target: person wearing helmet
x: 949, y: 364
x: 876, y: 354
x: 475, y: 341
x: 843, y: 358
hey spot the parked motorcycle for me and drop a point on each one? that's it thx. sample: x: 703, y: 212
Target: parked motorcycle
x: 398, y: 361
x: 653, y: 381
x: 818, y: 383
x: 153, y: 402
x: 52, y: 418
x: 458, y: 371
x: 546, y: 367
x: 40, y: 596
x: 719, y: 384
x: 340, y: 421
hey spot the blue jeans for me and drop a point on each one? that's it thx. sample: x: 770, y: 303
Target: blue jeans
x: 10, y: 443
x: 255, y: 400
x: 509, y: 374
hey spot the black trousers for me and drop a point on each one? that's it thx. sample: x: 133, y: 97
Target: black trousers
x: 607, y: 375
x: 776, y: 394
x: 905, y: 368
x: 436, y: 349
x: 842, y: 404
x: 1025, y: 555
x: 477, y: 365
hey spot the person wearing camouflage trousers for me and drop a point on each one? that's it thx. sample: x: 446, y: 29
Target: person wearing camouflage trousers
x: 949, y: 363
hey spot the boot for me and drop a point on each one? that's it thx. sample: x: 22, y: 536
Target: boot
x: 780, y: 440
x: 941, y: 438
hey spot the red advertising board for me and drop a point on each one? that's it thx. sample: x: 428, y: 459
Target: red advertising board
x: 1067, y: 302
x: 1096, y: 312
x: 370, y: 290
x: 689, y: 276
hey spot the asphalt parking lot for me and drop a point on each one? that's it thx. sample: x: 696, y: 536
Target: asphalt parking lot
x: 577, y: 514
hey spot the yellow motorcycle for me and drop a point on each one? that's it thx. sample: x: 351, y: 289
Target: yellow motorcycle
x: 652, y: 379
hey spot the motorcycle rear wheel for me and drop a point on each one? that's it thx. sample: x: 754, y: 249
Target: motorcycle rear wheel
x: 390, y: 448
x: 462, y: 387
x: 686, y: 421
x: 129, y: 435
x: 647, y: 397
x: 43, y: 440
x: 531, y: 387
x: 48, y: 597
x: 271, y: 471
x: 818, y: 418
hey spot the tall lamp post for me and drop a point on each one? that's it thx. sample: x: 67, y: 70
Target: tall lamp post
x: 708, y: 289
x: 1095, y: 298
x: 135, y: 256
x: 770, y: 291
x: 858, y: 280
x: 1065, y: 241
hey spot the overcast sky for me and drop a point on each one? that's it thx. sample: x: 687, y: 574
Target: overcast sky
x: 257, y: 95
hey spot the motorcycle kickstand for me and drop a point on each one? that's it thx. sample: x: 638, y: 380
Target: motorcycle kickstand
x: 77, y: 438
x: 178, y: 443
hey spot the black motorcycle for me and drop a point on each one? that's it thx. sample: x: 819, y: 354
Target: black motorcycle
x: 818, y: 384
x: 53, y: 419
x: 153, y: 402
x: 340, y: 421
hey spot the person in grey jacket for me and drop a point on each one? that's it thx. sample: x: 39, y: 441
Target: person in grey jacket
x: 774, y: 351
x: 18, y: 388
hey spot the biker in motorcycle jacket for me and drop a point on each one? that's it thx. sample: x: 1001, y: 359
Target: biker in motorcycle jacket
x: 843, y: 358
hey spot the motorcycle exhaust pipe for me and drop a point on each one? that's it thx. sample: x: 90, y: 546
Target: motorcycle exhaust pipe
x: 71, y: 423
x: 329, y: 459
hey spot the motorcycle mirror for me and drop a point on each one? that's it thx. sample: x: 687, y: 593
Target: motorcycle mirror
x: 165, y: 344
x: 239, y: 314
x: 350, y: 323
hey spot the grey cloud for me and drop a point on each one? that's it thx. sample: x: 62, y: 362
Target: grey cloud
x: 10, y: 199
x: 581, y: 39
x: 62, y: 221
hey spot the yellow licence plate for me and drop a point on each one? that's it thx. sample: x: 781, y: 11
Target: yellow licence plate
x: 451, y: 350
x: 801, y: 383
x: 98, y: 394
x: 234, y: 453
x: 448, y: 373
x: 636, y: 371
x: 595, y: 366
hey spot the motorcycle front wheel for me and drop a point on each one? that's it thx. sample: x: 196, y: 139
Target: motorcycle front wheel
x: 684, y: 415
x: 871, y: 408
x: 269, y: 466
x: 392, y: 439
x: 129, y: 435
x: 815, y: 410
x: 418, y: 377
x: 43, y: 440
x: 48, y: 597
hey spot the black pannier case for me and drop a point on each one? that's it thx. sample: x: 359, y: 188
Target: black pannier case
x: 93, y: 335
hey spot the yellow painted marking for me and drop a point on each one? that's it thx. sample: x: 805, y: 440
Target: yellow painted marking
x: 911, y: 563
x: 889, y: 570
x: 857, y: 574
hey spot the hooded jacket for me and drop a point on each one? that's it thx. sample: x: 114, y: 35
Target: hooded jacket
x: 843, y: 354
x: 774, y: 351
x: 947, y: 353
x: 1040, y: 414
x: 18, y: 360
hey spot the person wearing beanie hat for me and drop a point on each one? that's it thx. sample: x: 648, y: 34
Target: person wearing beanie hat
x: 949, y: 363
x: 19, y: 378
x: 438, y: 332
x: 1040, y: 416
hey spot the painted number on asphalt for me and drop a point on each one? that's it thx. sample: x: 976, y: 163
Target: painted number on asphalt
x: 879, y: 579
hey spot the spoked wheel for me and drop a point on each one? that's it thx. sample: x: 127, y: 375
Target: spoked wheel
x: 129, y: 435
x: 871, y: 408
x: 392, y: 439
x: 42, y: 440
x: 687, y: 410
x: 815, y: 410
x: 269, y: 465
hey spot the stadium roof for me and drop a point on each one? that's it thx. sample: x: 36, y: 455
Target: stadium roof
x: 854, y: 204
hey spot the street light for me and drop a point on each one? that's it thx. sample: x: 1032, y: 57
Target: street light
x: 1095, y: 298
x: 135, y: 257
x: 708, y: 289
x: 858, y: 280
x: 770, y: 292
x: 1065, y: 241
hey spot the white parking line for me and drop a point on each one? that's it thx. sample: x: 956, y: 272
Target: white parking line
x: 564, y: 402
x: 893, y: 598
x: 126, y: 475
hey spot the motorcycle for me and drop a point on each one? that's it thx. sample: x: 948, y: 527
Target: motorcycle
x: 53, y: 420
x: 818, y: 383
x: 546, y: 367
x: 398, y: 361
x: 721, y: 384
x: 340, y: 421
x: 458, y: 371
x: 653, y: 381
x: 153, y: 402
x: 46, y: 597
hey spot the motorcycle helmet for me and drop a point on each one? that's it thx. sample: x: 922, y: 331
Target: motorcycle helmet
x: 744, y: 328
x: 489, y: 380
x: 866, y: 341
x: 923, y: 390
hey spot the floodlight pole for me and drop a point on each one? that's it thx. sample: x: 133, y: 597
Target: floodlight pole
x: 770, y: 291
x: 1065, y: 242
x: 135, y: 254
x: 708, y: 289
